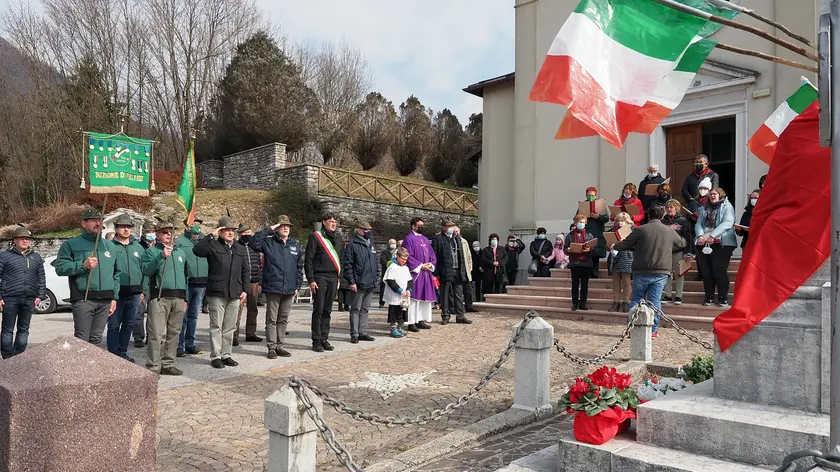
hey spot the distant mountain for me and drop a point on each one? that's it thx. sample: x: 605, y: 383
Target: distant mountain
x: 16, y: 71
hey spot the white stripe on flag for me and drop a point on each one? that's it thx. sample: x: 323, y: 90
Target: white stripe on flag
x: 624, y: 74
x: 781, y: 118
x: 671, y: 90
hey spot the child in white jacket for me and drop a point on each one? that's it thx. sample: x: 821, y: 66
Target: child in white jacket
x: 398, y: 284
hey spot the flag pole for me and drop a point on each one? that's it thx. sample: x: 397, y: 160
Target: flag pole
x: 834, y: 95
x: 96, y: 244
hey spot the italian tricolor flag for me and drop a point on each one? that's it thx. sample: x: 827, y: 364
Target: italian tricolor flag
x: 609, y: 59
x: 763, y: 142
x: 664, y: 99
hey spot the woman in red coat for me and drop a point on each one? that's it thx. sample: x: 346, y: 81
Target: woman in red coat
x: 630, y: 197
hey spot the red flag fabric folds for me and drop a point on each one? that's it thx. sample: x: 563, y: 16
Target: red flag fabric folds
x: 790, y: 230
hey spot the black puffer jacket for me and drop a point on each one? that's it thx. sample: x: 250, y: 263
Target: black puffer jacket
x: 22, y: 275
x: 253, y: 261
x: 745, y: 221
x: 684, y: 231
x: 445, y: 270
x: 359, y: 264
x: 228, y: 267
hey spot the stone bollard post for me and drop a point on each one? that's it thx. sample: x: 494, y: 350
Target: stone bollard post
x: 533, y: 363
x: 292, y: 435
x: 641, y: 345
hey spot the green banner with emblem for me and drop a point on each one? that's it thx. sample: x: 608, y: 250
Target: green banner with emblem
x: 119, y: 164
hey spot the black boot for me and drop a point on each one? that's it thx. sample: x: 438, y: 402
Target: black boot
x: 574, y: 306
x: 444, y: 320
x: 615, y: 307
x: 582, y: 306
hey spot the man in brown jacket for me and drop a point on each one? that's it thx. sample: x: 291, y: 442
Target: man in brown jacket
x: 652, y: 245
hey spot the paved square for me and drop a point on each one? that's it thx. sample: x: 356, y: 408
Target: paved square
x: 212, y: 420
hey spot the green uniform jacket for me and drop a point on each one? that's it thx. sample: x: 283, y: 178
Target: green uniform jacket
x: 129, y: 260
x: 105, y: 277
x: 174, y: 275
x: 197, y: 267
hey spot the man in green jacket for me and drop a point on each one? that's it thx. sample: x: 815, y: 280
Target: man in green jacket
x: 196, y: 286
x: 77, y: 260
x: 166, y: 267
x: 128, y: 252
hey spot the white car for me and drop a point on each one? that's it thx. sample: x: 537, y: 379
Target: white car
x: 58, y: 290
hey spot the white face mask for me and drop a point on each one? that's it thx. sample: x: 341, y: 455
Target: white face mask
x: 753, y: 201
x: 511, y: 243
x: 627, y: 195
x: 614, y: 252
x: 392, y: 246
x: 476, y: 248
x: 450, y: 231
x: 704, y: 192
x: 707, y: 250
x: 652, y: 174
x: 494, y: 242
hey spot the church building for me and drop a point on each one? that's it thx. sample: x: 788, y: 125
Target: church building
x: 527, y: 179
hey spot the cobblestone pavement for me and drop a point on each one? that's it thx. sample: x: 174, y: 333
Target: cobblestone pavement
x: 498, y: 451
x: 217, y: 425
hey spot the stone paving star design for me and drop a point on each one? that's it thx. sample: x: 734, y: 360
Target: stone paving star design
x: 389, y: 385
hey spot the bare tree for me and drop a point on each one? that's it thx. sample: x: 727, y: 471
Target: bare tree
x: 376, y: 122
x: 447, y: 146
x: 414, y: 136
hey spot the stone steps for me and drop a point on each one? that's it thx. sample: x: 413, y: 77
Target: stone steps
x: 602, y: 273
x: 604, y: 283
x: 601, y: 316
x: 594, y: 293
x: 734, y: 264
x: 603, y: 304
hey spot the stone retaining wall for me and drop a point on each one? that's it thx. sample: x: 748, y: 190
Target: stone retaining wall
x: 211, y: 174
x: 45, y: 247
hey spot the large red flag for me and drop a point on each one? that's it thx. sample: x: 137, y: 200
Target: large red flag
x: 790, y: 230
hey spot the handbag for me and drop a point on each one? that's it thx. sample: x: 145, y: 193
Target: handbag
x: 532, y: 267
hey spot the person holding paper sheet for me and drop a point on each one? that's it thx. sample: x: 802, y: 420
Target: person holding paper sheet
x: 678, y: 223
x: 653, y: 177
x: 580, y: 261
x: 742, y: 229
x: 663, y: 194
x: 716, y: 238
x: 629, y: 197
x: 620, y: 265
x: 595, y: 226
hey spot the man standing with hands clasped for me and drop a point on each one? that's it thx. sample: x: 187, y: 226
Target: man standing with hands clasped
x: 22, y: 286
x: 322, y: 265
x: 361, y: 271
x: 78, y: 261
x: 166, y: 268
x: 228, y: 277
x: 282, y: 278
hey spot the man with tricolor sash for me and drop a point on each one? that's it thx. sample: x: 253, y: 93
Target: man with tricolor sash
x: 322, y: 265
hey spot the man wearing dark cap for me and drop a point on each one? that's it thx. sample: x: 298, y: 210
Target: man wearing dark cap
x: 129, y: 253
x: 22, y: 286
x: 451, y: 271
x: 196, y: 286
x: 226, y: 283
x: 254, y: 262
x: 281, y: 279
x: 360, y: 270
x: 166, y: 267
x: 94, y: 277
x: 322, y: 264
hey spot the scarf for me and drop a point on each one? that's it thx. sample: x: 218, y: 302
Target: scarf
x: 579, y: 237
x: 711, y: 215
x: 705, y: 171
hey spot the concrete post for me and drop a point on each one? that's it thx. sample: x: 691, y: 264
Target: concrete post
x: 292, y: 435
x: 641, y: 345
x: 533, y: 362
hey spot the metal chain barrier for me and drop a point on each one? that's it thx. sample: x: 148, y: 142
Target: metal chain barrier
x: 326, y: 432
x: 436, y: 414
x: 634, y: 316
x: 683, y: 331
x: 826, y: 461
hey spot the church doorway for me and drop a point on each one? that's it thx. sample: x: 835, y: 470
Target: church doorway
x: 714, y: 138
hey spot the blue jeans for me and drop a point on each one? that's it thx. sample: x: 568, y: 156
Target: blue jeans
x: 121, y: 324
x: 649, y: 286
x: 16, y: 311
x: 186, y: 341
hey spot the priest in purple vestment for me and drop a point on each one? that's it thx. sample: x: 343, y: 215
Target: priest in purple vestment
x: 421, y: 263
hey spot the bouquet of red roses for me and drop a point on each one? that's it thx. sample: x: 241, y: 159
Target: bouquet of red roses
x: 601, y: 403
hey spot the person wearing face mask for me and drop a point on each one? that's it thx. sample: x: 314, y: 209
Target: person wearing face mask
x: 385, y: 257
x: 470, y: 261
x: 494, y: 259
x: 139, y: 330
x: 540, y: 252
x: 653, y: 177
x: 477, y: 272
x: 360, y: 269
x: 451, y: 271
x: 421, y: 263
x: 746, y: 217
x: 630, y: 197
x: 663, y: 195
x: 254, y: 261
x: 558, y: 258
x: 580, y: 263
x: 716, y: 240
x: 694, y: 207
x: 514, y: 248
x: 197, y: 270
x: 701, y: 171
x: 595, y: 226
x: 620, y: 268
x: 344, y: 294
x: 678, y: 223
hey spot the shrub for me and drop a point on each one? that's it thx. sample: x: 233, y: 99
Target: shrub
x: 700, y: 369
x: 50, y: 219
x: 291, y: 199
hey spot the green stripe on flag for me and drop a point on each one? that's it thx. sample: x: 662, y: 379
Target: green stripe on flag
x: 645, y: 26
x: 802, y: 98
x: 695, y: 55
